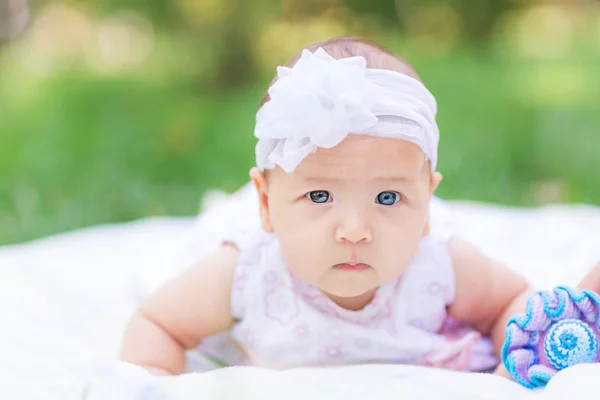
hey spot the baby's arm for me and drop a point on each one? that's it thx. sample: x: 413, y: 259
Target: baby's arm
x: 488, y: 294
x: 181, y: 314
x: 592, y: 280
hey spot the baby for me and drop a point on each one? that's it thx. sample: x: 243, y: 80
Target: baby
x: 345, y: 268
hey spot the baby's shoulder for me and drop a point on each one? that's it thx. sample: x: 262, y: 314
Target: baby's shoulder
x: 434, y: 249
x: 432, y: 267
x: 260, y: 270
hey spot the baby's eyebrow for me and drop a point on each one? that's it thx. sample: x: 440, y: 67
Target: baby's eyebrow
x: 394, y: 178
x: 322, y: 179
x: 395, y: 181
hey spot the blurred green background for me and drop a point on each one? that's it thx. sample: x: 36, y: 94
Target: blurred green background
x: 117, y: 110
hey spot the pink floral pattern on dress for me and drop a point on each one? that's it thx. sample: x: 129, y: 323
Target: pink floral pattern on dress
x: 381, y: 320
x: 430, y: 322
x: 436, y: 289
x: 240, y: 282
x: 237, y: 292
x: 250, y: 336
x: 321, y: 302
x: 335, y: 332
x: 333, y: 353
x: 281, y: 304
x: 453, y: 329
x: 453, y: 354
x: 363, y: 343
x: 303, y: 331
x: 270, y: 277
x: 372, y: 324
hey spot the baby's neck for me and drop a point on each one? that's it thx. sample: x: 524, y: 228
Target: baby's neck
x: 353, y: 303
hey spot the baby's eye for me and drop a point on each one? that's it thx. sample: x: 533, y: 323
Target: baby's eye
x: 319, y: 196
x: 388, y: 198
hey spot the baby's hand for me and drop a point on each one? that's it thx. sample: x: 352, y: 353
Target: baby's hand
x: 591, y: 280
x: 158, y: 371
x: 501, y: 371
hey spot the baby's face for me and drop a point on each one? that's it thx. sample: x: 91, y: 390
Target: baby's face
x: 350, y: 218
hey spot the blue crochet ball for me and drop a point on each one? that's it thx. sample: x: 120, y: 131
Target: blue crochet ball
x: 570, y: 342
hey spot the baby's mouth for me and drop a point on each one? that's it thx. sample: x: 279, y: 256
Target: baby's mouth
x: 352, y: 266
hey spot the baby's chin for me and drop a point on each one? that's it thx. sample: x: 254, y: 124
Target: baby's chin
x: 349, y: 284
x: 352, y: 300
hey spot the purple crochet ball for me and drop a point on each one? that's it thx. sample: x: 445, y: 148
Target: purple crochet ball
x: 560, y: 328
x: 568, y: 342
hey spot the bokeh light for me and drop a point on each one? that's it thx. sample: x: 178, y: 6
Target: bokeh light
x: 122, y: 41
x: 59, y: 35
x: 542, y: 31
x: 435, y: 29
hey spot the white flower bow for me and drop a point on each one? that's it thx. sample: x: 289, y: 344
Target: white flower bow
x: 315, y: 104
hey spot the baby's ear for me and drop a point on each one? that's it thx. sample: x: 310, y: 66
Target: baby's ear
x: 260, y: 183
x: 436, y: 178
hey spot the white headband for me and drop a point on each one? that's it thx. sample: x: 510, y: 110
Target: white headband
x: 321, y: 100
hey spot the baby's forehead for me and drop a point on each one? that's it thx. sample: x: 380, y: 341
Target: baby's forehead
x: 361, y: 157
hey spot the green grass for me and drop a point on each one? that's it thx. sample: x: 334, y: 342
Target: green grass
x: 77, y: 149
x: 85, y: 151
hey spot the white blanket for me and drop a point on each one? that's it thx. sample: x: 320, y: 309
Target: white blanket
x: 64, y: 302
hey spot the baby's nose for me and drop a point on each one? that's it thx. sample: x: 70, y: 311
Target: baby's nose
x: 353, y: 229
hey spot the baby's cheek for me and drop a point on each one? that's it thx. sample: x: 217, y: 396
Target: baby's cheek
x: 391, y: 270
x: 395, y: 254
x: 305, y: 268
x: 298, y: 250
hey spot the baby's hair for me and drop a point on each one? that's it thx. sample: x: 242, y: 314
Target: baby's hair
x: 340, y: 47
